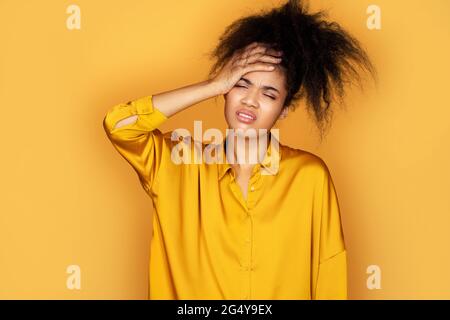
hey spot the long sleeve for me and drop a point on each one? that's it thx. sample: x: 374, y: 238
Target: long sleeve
x: 140, y: 143
x: 331, y: 276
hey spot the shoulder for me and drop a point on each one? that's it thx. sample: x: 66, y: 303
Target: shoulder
x: 304, y: 161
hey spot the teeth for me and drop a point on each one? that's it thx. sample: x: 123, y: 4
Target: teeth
x: 245, y: 116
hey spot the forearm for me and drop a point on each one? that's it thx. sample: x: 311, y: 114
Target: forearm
x: 174, y: 101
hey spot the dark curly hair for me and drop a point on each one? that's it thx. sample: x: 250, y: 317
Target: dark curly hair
x: 317, y: 55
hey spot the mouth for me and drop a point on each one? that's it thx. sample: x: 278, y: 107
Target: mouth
x: 245, y: 116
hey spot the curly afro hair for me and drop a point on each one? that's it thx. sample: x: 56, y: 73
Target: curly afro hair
x: 317, y: 59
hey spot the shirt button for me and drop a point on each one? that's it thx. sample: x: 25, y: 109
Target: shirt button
x: 247, y: 240
x: 252, y: 188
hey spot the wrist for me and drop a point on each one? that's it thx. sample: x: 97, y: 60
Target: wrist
x: 215, y: 87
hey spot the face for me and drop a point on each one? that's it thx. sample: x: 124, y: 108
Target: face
x: 259, y: 93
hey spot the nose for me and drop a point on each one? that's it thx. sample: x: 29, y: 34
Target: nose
x: 250, y: 99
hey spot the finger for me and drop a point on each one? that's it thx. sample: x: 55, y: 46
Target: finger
x: 263, y: 58
x: 246, y: 54
x: 246, y: 57
x: 274, y: 52
x: 242, y: 57
x: 252, y: 45
x: 243, y: 52
x: 256, y: 47
x: 261, y: 51
x: 260, y: 66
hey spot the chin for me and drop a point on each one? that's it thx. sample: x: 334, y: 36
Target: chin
x: 244, y: 126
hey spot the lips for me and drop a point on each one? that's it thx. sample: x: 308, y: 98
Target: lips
x: 243, y: 112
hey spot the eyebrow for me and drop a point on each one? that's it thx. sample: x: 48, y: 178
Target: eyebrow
x: 264, y: 87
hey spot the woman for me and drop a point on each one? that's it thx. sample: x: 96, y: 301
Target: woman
x: 228, y: 230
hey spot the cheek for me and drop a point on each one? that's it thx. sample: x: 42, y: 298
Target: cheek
x: 231, y: 103
x: 228, y: 112
x: 233, y: 96
x: 270, y: 114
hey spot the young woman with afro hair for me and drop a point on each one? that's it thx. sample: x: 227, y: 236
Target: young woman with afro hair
x: 264, y: 229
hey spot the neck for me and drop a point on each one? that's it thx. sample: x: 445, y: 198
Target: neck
x: 248, y: 146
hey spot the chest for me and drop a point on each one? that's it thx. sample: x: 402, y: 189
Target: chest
x: 242, y: 179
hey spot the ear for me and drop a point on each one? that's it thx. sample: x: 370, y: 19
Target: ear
x: 283, y: 113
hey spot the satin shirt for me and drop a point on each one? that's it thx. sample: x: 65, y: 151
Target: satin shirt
x: 284, y: 241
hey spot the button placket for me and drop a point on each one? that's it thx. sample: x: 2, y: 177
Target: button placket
x: 246, y: 264
x: 251, y: 187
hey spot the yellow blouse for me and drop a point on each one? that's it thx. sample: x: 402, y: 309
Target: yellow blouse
x: 285, y: 241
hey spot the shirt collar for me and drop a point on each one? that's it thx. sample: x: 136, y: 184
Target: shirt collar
x: 224, y: 166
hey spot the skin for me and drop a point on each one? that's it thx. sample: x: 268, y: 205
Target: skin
x: 252, y: 95
x: 258, y: 64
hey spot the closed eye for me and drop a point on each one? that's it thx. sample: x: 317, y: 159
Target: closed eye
x: 273, y: 98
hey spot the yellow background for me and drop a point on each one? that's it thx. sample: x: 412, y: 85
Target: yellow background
x: 68, y: 198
